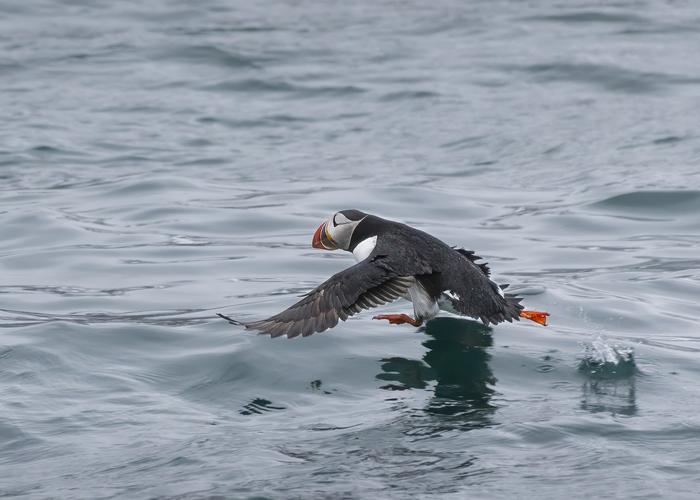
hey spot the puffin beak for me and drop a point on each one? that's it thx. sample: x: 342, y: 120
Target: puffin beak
x: 319, y: 236
x: 316, y: 240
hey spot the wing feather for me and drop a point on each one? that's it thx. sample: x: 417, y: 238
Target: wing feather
x: 474, y: 294
x: 362, y: 286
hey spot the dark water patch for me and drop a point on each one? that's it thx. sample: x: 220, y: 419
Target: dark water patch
x: 141, y: 187
x: 349, y: 116
x: 197, y: 31
x: 198, y: 143
x: 652, y: 202
x: 667, y: 28
x: 204, y: 162
x: 589, y: 17
x: 138, y: 108
x: 45, y: 150
x: 209, y: 54
x: 232, y: 123
x: 554, y: 149
x: 465, y: 172
x: 28, y: 366
x: 606, y: 76
x: 408, y: 95
x: 17, y: 445
x: 465, y: 143
x: 283, y: 87
x: 288, y: 119
x: 263, y: 121
x: 657, y: 266
x: 671, y: 139
x: 178, y: 84
x: 253, y: 85
x: 8, y: 68
x: 122, y: 159
x: 664, y: 265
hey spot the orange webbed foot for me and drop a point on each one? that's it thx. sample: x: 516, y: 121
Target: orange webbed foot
x: 536, y: 316
x: 399, y: 319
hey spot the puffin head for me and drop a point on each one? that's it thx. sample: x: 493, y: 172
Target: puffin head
x: 336, y: 232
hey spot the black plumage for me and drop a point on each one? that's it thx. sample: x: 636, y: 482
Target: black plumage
x: 401, y: 257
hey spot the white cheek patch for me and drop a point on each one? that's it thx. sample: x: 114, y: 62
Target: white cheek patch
x: 364, y: 248
x: 340, y: 235
x: 340, y: 219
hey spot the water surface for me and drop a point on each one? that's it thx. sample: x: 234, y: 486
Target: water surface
x: 162, y: 162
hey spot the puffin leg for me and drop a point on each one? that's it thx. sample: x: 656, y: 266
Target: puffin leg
x: 536, y: 316
x: 400, y: 319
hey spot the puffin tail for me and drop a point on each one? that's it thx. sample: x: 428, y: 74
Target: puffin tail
x: 536, y: 316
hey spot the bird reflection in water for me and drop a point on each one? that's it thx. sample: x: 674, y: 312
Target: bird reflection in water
x: 617, y: 397
x: 457, y: 362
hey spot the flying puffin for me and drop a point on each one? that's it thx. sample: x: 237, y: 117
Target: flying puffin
x: 394, y: 260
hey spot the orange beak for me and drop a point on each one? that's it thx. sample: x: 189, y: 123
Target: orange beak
x: 316, y: 240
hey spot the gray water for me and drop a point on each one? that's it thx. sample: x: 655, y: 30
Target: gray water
x: 164, y: 161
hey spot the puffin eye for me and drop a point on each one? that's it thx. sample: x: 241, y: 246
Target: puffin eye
x: 340, y: 219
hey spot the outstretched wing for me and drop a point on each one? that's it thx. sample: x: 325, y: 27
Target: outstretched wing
x: 365, y: 285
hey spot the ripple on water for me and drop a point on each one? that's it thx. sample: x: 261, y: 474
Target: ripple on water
x: 652, y: 202
x: 590, y: 17
x: 209, y: 54
x: 609, y: 77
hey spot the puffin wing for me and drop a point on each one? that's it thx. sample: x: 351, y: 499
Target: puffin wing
x: 365, y: 285
x: 472, y: 293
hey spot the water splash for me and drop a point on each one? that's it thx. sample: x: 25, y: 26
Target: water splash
x: 603, y: 360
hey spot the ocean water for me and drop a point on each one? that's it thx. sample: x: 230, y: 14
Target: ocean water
x: 164, y: 161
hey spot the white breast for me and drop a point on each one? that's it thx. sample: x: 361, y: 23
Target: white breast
x: 423, y: 304
x: 364, y: 248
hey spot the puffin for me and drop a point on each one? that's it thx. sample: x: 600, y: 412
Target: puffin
x: 394, y: 261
